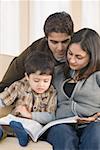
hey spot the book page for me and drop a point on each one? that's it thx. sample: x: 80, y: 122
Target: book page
x: 55, y: 122
x: 32, y: 127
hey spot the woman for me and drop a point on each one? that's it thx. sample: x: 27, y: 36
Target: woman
x: 82, y: 91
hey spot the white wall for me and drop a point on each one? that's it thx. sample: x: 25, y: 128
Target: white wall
x: 91, y: 14
x: 39, y: 11
x: 21, y: 21
x: 9, y: 27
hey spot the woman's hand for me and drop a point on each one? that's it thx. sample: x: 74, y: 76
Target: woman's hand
x: 24, y: 112
x: 88, y: 119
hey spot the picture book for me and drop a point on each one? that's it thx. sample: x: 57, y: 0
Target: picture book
x: 34, y: 128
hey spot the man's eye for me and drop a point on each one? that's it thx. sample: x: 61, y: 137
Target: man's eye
x: 54, y: 42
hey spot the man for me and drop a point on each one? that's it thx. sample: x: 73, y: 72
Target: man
x: 58, y: 29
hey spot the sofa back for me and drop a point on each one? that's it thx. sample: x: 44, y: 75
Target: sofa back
x: 4, y: 63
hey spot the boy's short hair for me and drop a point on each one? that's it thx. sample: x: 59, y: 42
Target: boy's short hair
x: 40, y: 63
x: 60, y: 22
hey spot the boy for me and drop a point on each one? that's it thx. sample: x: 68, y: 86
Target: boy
x: 33, y: 96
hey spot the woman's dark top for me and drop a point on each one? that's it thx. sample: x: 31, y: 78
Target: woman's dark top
x: 68, y: 88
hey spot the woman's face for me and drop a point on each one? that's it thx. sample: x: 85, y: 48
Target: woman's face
x: 76, y: 57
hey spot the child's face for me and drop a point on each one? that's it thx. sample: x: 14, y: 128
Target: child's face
x: 39, y: 83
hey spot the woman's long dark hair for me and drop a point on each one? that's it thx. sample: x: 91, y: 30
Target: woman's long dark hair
x: 89, y: 41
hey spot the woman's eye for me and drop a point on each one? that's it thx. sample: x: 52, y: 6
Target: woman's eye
x: 69, y: 53
x: 79, y: 57
x: 45, y: 80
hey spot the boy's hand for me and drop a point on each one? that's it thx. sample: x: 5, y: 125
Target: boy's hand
x: 24, y: 112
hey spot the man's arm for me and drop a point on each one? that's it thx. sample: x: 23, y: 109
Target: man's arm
x: 16, y: 68
x: 14, y: 72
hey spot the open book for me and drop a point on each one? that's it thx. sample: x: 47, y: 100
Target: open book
x: 33, y: 128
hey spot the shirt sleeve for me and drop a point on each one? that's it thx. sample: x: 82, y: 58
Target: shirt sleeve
x: 10, y: 94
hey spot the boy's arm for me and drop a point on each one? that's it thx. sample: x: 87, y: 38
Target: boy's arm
x: 41, y: 117
x: 9, y: 95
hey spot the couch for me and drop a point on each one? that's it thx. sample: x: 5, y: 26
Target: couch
x: 12, y: 142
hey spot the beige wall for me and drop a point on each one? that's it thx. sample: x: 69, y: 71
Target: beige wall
x: 76, y: 13
x: 24, y: 24
x: 31, y: 21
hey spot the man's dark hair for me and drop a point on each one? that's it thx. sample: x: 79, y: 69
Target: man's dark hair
x: 39, y: 62
x: 60, y: 22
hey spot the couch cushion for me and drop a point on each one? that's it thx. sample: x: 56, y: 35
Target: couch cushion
x: 5, y: 111
x: 11, y: 143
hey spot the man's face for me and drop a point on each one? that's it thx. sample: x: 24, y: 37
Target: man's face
x: 58, y: 43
